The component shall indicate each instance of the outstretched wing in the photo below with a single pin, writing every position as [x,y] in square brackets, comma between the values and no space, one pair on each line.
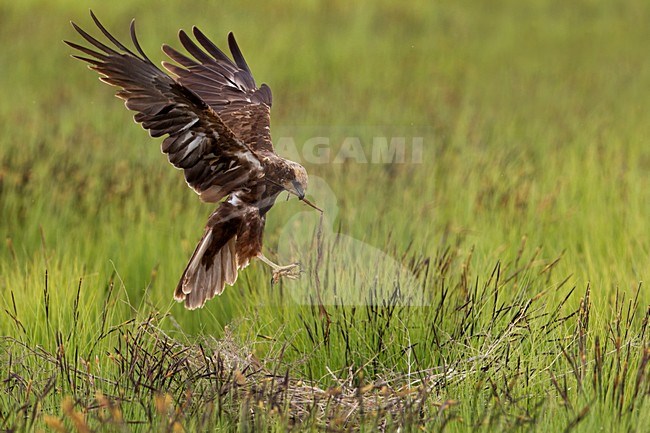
[214,160]
[226,86]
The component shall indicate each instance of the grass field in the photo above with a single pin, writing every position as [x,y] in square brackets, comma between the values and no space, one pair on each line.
[522,227]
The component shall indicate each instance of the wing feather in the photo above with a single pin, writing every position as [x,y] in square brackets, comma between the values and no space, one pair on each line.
[225,85]
[198,141]
[209,46]
[237,55]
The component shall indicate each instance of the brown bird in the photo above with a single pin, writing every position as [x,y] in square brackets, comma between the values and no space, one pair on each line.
[217,123]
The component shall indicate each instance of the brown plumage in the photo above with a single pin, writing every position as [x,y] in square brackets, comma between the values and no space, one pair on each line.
[217,123]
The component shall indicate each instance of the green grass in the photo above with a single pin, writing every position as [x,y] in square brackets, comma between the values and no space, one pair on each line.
[535,125]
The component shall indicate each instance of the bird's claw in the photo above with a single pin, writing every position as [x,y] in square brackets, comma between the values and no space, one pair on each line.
[291,271]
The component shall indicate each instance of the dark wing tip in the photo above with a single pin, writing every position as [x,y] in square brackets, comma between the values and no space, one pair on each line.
[75,26]
[237,54]
[166,48]
[209,46]
[265,95]
[136,43]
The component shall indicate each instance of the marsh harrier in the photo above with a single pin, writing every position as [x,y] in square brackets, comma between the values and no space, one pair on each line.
[217,126]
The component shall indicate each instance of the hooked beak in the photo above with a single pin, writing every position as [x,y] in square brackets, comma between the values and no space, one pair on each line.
[298,190]
[301,195]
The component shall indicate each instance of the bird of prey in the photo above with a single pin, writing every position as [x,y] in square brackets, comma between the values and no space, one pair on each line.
[217,126]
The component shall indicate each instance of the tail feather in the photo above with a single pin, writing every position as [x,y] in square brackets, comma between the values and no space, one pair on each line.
[207,272]
[229,263]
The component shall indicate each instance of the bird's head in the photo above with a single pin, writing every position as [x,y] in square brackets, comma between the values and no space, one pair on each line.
[296,181]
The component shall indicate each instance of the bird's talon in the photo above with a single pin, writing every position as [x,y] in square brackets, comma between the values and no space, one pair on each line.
[291,271]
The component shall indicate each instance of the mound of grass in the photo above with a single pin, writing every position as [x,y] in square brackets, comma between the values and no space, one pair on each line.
[488,353]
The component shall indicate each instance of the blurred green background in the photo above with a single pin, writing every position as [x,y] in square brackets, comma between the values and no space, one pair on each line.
[534,117]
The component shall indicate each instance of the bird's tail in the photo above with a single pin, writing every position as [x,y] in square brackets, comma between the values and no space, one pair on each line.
[212,266]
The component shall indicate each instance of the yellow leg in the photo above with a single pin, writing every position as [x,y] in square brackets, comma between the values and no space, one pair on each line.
[291,271]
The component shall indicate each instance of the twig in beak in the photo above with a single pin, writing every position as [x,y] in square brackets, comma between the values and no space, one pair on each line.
[312,205]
